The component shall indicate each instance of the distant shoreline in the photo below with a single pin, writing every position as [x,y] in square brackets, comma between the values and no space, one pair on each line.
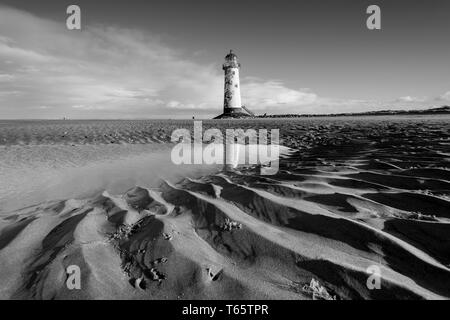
[432,111]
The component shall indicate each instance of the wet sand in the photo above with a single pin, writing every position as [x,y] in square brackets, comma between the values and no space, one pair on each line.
[354,193]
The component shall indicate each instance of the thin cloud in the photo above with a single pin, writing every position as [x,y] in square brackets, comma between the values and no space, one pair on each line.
[411,99]
[445,96]
[261,95]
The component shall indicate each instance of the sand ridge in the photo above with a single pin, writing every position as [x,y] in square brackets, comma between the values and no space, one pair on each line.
[354,194]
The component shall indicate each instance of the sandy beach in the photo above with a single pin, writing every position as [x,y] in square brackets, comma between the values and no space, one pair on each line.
[355,192]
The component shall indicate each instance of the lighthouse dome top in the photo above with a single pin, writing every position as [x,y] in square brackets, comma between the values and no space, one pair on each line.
[231,61]
[231,56]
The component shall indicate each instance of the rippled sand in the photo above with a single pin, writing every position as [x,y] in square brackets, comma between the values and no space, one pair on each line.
[354,193]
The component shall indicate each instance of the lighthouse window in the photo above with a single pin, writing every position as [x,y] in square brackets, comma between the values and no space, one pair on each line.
[235,85]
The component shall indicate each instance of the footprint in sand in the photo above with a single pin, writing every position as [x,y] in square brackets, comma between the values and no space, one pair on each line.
[214,276]
[167,236]
[156,275]
[160,260]
[138,283]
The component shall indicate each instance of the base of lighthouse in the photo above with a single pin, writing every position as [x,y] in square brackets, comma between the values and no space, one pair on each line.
[234,113]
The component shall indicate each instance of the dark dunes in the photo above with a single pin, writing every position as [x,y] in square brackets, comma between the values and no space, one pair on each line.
[115,214]
[252,203]
[204,214]
[342,230]
[352,285]
[140,249]
[398,258]
[375,164]
[243,246]
[280,190]
[206,189]
[140,199]
[406,163]
[9,233]
[289,176]
[430,237]
[413,202]
[356,184]
[52,245]
[402,182]
[424,274]
[335,200]
[428,173]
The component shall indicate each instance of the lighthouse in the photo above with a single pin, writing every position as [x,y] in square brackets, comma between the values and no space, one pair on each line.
[232,106]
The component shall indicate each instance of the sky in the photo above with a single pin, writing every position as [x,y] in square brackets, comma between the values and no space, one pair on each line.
[163,58]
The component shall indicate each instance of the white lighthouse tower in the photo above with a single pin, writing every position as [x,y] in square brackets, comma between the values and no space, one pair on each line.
[232,106]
